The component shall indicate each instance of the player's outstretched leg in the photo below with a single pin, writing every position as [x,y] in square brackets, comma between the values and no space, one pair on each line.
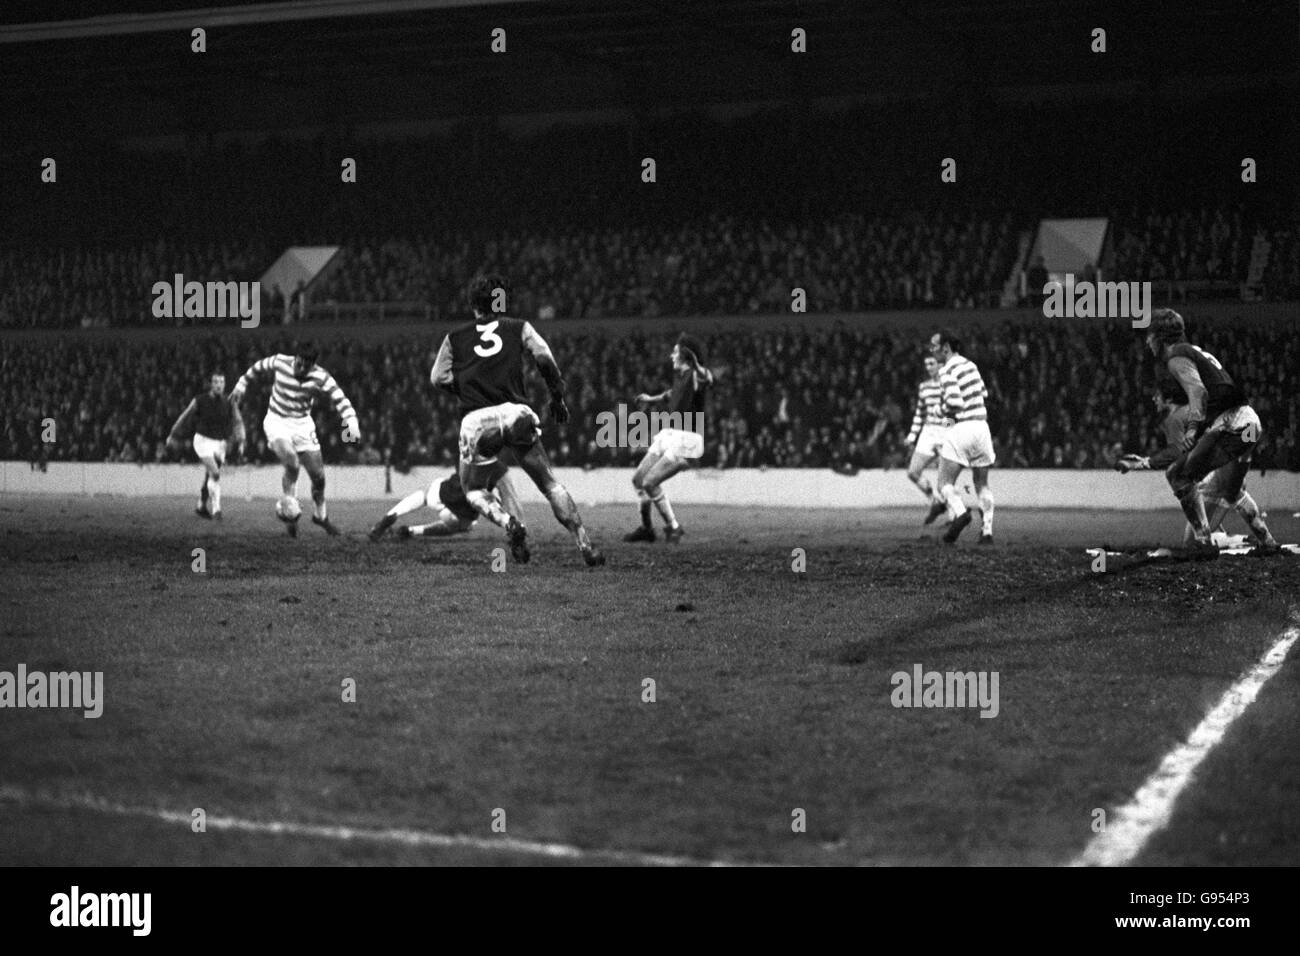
[289,480]
[315,466]
[959,517]
[485,504]
[538,467]
[412,502]
[916,474]
[446,524]
[1250,513]
[1229,483]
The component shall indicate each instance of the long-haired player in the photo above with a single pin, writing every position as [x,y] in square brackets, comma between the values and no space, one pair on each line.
[672,449]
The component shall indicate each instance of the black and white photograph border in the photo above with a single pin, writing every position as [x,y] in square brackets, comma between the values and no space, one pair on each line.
[770,433]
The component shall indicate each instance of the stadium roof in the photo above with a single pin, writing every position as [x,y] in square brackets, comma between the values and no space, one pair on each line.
[346,62]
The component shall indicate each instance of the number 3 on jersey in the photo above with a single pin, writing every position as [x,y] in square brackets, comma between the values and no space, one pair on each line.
[490,341]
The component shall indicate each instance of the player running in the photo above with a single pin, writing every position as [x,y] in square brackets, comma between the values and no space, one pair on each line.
[482,364]
[1220,432]
[215,420]
[1171,405]
[929,426]
[672,448]
[446,496]
[297,381]
[968,444]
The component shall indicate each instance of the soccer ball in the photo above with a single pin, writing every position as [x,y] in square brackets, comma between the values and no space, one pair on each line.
[287,508]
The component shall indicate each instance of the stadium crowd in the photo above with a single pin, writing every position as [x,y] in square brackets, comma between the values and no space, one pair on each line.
[741,212]
[845,202]
[1062,395]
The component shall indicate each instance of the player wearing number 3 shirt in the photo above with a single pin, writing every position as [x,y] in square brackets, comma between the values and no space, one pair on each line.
[482,364]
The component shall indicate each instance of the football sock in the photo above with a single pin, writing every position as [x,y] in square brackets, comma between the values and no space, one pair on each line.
[1217,509]
[665,509]
[318,497]
[566,512]
[645,507]
[1193,506]
[1249,511]
[214,493]
[986,506]
[434,530]
[203,492]
[412,502]
[956,507]
[488,507]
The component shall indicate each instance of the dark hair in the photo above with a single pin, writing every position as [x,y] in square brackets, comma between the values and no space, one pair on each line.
[1168,326]
[946,337]
[691,342]
[483,287]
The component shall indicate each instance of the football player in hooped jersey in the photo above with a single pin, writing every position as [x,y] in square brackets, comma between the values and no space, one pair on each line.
[482,364]
[216,420]
[968,443]
[296,381]
[929,426]
[1220,433]
[672,448]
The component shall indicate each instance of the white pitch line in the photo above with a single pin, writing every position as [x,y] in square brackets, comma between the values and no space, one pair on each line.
[409,838]
[1130,827]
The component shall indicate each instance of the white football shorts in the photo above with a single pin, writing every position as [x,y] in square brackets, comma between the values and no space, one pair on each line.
[676,443]
[930,443]
[1236,420]
[214,448]
[970,444]
[299,432]
[495,419]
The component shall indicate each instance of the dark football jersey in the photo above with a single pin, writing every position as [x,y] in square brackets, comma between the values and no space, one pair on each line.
[212,416]
[687,395]
[1222,393]
[487,361]
[452,494]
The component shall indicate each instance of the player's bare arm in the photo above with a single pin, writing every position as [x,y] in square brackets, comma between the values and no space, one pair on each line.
[262,368]
[1184,370]
[182,423]
[550,371]
[441,374]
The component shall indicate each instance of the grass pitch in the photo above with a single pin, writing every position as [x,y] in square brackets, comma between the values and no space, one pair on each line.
[523,690]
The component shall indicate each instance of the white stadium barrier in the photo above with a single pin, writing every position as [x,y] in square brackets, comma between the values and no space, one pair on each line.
[776,487]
